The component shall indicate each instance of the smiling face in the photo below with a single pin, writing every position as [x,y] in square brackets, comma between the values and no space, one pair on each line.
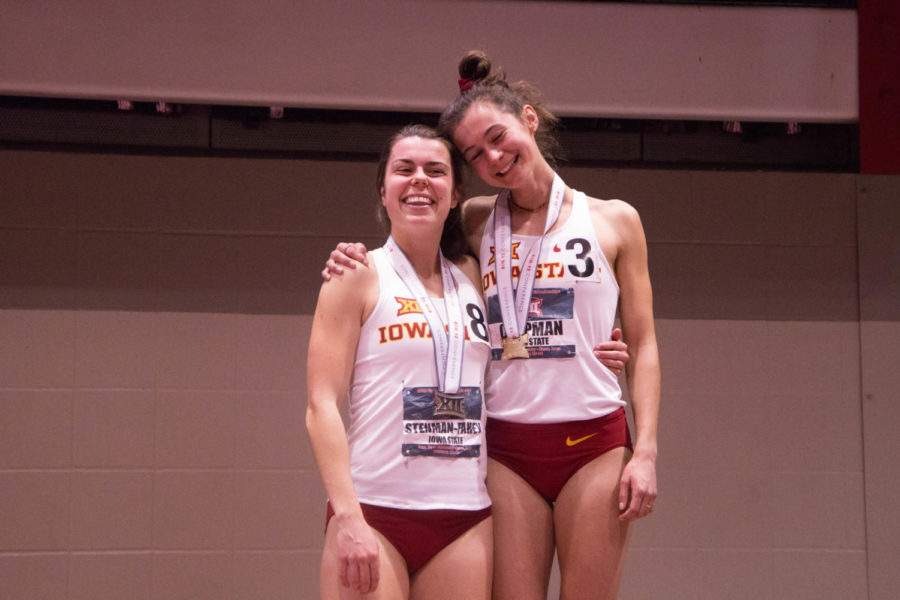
[499,145]
[418,183]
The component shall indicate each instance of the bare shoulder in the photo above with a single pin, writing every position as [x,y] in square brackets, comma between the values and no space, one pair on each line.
[361,273]
[615,214]
[353,288]
[614,210]
[475,211]
[468,265]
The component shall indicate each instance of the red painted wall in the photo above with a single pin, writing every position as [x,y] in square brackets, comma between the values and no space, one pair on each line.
[879,86]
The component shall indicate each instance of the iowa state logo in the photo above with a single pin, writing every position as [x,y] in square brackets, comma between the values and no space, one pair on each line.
[407,306]
[514,248]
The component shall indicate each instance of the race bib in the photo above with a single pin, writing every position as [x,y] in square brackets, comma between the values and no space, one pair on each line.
[550,326]
[440,424]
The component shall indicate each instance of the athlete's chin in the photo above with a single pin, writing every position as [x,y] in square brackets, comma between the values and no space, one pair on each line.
[508,180]
[420,223]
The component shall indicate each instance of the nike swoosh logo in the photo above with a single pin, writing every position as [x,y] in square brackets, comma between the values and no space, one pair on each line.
[571,442]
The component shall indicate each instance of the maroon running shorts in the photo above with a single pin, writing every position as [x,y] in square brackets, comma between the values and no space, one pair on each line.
[419,534]
[546,455]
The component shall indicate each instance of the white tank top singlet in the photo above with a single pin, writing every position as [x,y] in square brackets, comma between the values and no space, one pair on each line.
[573,307]
[408,450]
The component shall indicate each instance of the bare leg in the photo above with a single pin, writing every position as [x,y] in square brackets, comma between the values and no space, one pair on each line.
[523,536]
[393,583]
[590,538]
[461,570]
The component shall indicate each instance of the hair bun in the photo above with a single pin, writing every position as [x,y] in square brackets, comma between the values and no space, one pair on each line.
[475,65]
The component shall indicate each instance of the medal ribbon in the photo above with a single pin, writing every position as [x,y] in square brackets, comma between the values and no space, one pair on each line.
[448,343]
[514,304]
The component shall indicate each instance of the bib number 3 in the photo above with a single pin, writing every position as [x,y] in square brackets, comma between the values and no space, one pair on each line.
[584,265]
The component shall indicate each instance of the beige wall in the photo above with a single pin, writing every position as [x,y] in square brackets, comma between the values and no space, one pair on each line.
[154,316]
[879,270]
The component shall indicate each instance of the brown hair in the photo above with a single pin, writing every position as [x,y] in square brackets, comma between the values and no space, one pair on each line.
[490,85]
[453,240]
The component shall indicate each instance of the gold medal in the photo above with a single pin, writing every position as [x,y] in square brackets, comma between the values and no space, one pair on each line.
[515,347]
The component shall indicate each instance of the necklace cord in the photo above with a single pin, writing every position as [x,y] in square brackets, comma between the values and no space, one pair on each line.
[520,207]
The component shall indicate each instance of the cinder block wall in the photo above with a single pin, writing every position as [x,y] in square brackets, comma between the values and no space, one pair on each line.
[154,317]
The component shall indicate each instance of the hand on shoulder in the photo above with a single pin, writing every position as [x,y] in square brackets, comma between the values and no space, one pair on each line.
[344,255]
[351,291]
[359,273]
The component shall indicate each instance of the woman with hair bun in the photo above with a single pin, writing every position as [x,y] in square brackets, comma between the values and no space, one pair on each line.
[564,471]
[556,267]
